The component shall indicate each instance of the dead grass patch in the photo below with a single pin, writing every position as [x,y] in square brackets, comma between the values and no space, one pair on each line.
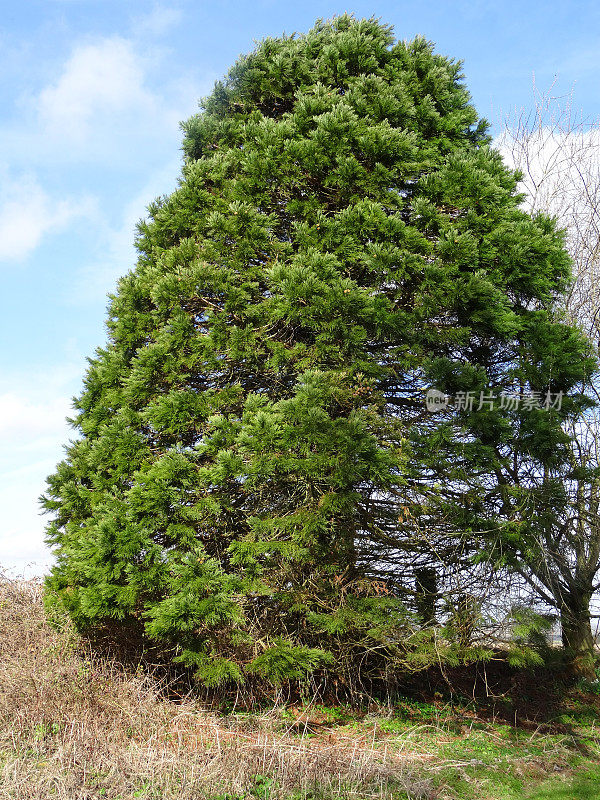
[76,727]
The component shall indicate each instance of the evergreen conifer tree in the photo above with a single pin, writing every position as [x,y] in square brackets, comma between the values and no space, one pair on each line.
[254,449]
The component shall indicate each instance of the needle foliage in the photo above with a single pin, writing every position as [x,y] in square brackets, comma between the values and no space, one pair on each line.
[253,446]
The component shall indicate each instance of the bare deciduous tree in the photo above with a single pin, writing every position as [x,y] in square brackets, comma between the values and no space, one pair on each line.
[558,154]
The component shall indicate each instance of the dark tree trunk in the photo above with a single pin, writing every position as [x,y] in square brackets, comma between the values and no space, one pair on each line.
[577,638]
[426,594]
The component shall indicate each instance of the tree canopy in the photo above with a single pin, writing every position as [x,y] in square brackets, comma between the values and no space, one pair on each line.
[256,474]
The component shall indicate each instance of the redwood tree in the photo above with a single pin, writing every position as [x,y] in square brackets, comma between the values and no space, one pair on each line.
[253,445]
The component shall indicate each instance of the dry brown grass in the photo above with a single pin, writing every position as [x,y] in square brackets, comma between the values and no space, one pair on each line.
[74,726]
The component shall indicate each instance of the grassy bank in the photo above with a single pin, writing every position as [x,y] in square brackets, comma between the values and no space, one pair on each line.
[78,727]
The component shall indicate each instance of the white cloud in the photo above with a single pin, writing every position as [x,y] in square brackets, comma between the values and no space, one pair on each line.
[23,420]
[107,102]
[99,110]
[33,429]
[113,102]
[157,22]
[27,213]
[102,79]
[118,253]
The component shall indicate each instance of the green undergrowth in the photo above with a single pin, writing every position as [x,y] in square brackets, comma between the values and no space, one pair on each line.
[462,755]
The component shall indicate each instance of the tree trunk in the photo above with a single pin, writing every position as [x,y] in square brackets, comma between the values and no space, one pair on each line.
[577,639]
[426,594]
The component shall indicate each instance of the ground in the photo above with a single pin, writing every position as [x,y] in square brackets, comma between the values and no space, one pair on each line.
[77,726]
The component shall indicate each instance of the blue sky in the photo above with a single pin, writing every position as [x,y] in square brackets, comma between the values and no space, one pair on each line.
[91,94]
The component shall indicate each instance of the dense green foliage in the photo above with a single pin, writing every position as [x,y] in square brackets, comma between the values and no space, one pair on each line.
[256,476]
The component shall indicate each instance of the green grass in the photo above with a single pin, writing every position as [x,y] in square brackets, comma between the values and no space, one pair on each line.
[470,758]
[584,785]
